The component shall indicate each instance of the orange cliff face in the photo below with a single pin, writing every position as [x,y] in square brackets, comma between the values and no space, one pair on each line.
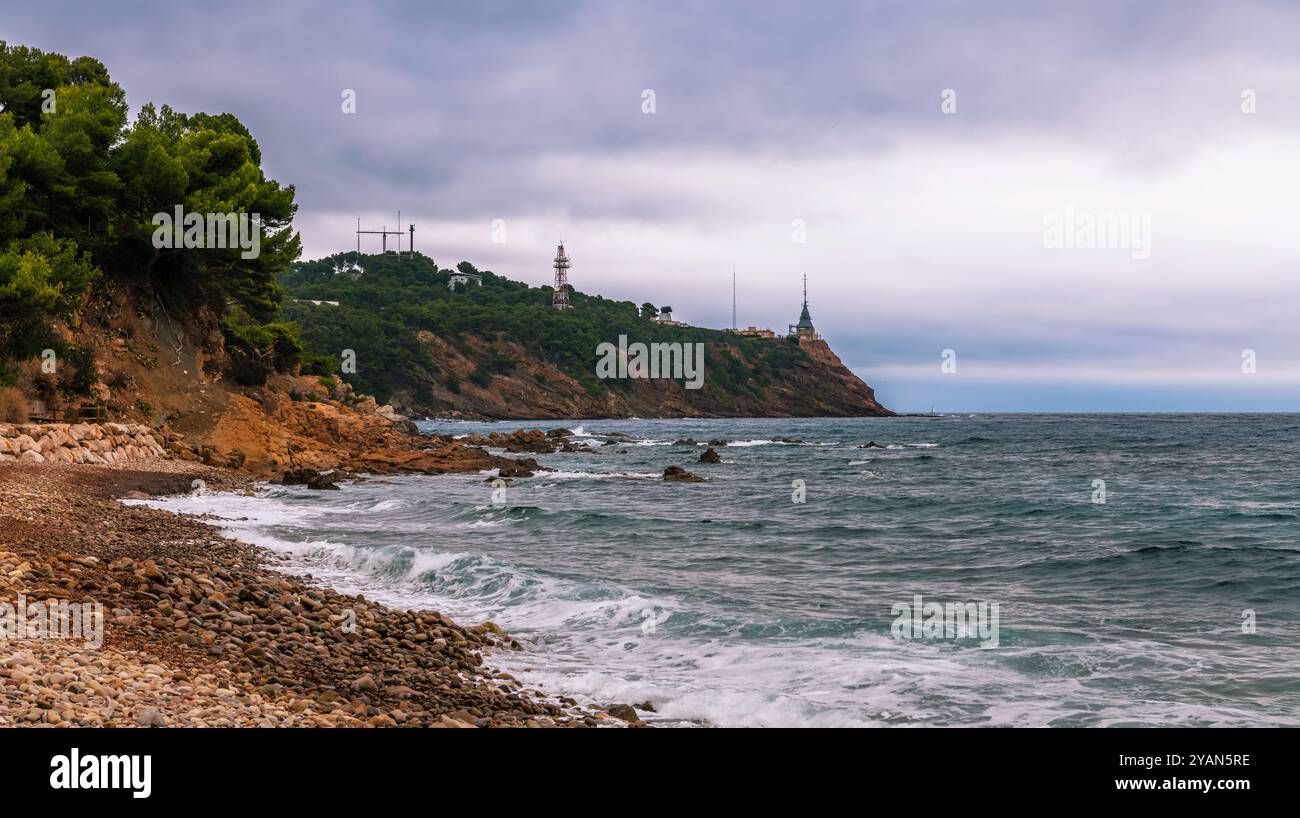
[266,432]
[834,369]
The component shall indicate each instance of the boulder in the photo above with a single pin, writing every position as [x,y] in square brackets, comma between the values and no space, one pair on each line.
[626,712]
[710,456]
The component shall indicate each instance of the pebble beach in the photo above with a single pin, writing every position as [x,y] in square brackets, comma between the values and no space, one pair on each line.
[204,631]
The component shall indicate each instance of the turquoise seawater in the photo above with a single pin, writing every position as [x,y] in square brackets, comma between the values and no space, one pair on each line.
[741,601]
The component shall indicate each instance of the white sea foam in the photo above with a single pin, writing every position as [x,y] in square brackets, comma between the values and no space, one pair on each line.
[590,638]
[588,475]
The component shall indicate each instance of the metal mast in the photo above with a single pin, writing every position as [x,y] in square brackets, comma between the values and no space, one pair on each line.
[560,300]
[733,296]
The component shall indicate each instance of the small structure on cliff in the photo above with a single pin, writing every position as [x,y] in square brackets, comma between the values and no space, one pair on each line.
[665,316]
[804,330]
[464,279]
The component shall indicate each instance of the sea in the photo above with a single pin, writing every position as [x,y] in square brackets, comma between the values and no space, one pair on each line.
[1115,570]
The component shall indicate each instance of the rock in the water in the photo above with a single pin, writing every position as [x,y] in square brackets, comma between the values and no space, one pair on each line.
[686,441]
[626,712]
[311,478]
[676,474]
[871,444]
[515,471]
[710,456]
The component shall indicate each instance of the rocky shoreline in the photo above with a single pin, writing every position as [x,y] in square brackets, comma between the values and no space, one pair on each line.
[201,630]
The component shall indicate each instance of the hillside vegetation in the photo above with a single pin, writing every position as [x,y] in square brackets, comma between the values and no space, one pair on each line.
[79,270]
[501,350]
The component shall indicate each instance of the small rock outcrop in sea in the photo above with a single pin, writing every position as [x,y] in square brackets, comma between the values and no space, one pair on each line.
[710,456]
[533,441]
[560,433]
[686,441]
[871,444]
[521,469]
[312,479]
[676,474]
[719,442]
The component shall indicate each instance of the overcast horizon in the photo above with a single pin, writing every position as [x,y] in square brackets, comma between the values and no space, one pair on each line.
[910,159]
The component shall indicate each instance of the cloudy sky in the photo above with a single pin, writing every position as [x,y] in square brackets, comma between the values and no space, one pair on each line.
[919,161]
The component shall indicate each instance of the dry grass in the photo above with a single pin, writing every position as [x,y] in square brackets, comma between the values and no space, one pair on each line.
[13,406]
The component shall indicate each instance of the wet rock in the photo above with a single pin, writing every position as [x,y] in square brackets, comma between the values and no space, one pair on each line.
[676,474]
[312,479]
[626,712]
[710,456]
[686,441]
[871,444]
[511,471]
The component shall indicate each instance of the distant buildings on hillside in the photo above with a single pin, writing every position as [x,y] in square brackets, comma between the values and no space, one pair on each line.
[802,330]
[457,277]
[665,316]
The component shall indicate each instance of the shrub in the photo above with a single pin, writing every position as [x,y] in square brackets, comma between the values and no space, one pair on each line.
[13,406]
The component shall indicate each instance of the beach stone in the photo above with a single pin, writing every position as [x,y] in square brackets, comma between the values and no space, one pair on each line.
[365,684]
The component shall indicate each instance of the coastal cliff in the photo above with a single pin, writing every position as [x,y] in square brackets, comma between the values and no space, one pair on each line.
[421,338]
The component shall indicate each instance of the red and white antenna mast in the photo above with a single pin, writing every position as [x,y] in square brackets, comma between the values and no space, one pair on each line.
[560,300]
